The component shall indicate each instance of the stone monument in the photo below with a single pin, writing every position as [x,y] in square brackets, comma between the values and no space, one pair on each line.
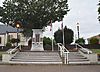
[37,40]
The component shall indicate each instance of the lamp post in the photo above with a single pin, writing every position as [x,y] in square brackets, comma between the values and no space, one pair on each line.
[78,30]
[17,26]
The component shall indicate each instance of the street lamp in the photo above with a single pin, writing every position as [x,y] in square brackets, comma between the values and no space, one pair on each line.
[78,30]
[17,26]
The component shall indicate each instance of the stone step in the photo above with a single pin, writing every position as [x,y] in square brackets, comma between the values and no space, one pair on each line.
[43,57]
[36,60]
[37,57]
[16,62]
[77,58]
[37,54]
[80,62]
[73,57]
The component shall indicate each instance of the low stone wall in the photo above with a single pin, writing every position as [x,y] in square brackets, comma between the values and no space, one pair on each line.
[89,46]
[92,57]
[7,57]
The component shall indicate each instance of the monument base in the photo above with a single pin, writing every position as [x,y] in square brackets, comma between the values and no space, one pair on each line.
[37,47]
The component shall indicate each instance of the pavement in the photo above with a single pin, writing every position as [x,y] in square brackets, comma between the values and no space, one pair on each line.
[49,68]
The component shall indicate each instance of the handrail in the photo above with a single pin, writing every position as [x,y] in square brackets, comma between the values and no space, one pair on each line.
[83,49]
[63,52]
[11,51]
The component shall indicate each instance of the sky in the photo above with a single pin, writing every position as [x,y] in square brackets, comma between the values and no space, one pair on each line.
[83,12]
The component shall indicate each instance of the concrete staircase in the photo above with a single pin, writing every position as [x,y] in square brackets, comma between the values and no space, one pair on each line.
[36,58]
[77,58]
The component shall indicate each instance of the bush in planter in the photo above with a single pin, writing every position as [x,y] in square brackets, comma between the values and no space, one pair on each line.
[8,44]
[13,40]
[80,41]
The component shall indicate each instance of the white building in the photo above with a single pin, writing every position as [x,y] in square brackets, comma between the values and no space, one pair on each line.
[8,32]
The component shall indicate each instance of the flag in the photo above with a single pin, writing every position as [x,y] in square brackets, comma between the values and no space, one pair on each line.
[50,25]
[62,25]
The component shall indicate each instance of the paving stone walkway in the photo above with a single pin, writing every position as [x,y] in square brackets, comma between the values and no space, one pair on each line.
[49,68]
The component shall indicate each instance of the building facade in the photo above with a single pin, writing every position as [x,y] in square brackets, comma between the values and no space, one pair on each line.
[8,32]
[97,36]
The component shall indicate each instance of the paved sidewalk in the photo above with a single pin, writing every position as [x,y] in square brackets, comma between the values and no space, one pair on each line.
[49,68]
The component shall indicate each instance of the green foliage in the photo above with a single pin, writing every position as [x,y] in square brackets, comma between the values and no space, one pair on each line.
[96,51]
[32,13]
[94,41]
[68,36]
[8,44]
[80,41]
[47,41]
[27,32]
[13,40]
[58,36]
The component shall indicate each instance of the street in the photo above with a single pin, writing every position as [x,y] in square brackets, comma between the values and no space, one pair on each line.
[49,68]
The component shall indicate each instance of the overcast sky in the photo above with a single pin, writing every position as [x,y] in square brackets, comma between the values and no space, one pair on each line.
[82,11]
[85,13]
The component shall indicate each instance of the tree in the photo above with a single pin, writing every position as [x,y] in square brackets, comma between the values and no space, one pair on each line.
[32,13]
[27,32]
[58,36]
[68,36]
[80,41]
[94,40]
[47,41]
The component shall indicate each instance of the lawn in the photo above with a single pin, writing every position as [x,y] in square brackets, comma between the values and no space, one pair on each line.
[1,52]
[96,51]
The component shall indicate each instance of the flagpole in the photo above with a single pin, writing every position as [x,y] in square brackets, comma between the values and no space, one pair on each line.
[51,29]
[52,39]
[63,34]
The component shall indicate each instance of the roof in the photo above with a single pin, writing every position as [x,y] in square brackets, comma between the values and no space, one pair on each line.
[5,29]
[96,36]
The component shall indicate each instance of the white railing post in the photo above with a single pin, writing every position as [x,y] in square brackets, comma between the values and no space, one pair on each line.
[61,51]
[64,53]
[58,48]
[65,58]
[85,49]
[20,47]
[76,46]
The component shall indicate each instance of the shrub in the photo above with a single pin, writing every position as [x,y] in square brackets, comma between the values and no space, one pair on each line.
[8,44]
[13,40]
[94,41]
[80,41]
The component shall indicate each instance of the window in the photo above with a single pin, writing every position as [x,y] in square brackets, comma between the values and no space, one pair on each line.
[37,37]
[0,40]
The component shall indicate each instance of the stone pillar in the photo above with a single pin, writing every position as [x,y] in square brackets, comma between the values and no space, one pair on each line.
[37,40]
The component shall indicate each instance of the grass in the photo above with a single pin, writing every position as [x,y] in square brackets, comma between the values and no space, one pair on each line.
[1,52]
[96,51]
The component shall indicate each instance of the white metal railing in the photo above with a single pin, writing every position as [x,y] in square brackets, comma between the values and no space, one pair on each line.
[63,52]
[83,49]
[14,50]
